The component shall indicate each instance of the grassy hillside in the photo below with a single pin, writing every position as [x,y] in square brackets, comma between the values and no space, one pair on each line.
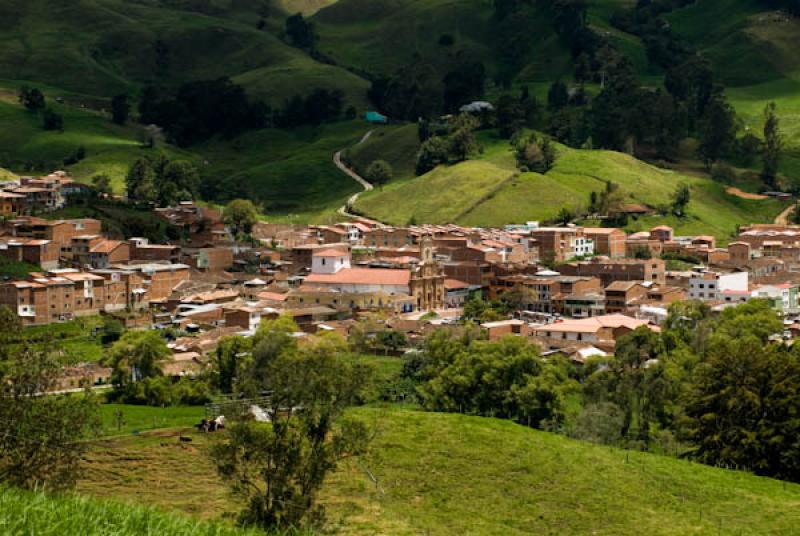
[443,474]
[381,37]
[395,144]
[105,47]
[26,148]
[44,515]
[487,192]
[290,172]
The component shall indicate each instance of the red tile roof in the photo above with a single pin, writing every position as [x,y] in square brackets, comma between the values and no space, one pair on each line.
[363,276]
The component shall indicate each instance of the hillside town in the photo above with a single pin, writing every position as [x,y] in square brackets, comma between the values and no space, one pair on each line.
[570,289]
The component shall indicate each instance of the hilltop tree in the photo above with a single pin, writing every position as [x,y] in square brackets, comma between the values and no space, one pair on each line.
[301,33]
[462,137]
[772,147]
[140,182]
[120,109]
[241,215]
[534,153]
[379,172]
[433,152]
[31,98]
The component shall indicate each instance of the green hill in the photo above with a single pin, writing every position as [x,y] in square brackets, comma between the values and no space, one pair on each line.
[44,515]
[106,47]
[395,144]
[442,474]
[382,36]
[26,148]
[489,192]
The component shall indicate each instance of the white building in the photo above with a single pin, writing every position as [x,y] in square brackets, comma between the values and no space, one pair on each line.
[712,286]
[329,261]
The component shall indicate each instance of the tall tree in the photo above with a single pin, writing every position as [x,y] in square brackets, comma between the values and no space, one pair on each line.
[742,410]
[120,109]
[772,147]
[41,437]
[278,469]
[716,131]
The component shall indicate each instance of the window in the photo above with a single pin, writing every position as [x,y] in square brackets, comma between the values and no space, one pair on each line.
[323,261]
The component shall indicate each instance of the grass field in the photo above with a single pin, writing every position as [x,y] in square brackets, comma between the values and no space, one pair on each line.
[46,515]
[76,338]
[488,192]
[136,419]
[451,474]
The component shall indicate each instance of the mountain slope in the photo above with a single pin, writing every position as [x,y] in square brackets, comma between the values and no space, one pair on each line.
[105,47]
[452,474]
[488,192]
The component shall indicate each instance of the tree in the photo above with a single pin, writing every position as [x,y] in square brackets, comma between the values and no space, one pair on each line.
[773,145]
[463,84]
[557,95]
[184,181]
[379,172]
[278,469]
[462,137]
[742,409]
[42,441]
[102,185]
[140,182]
[230,360]
[433,152]
[136,356]
[241,215]
[510,116]
[31,98]
[715,131]
[52,120]
[300,32]
[534,153]
[680,199]
[120,109]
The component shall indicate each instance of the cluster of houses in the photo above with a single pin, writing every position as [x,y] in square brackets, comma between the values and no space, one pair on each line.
[31,195]
[572,289]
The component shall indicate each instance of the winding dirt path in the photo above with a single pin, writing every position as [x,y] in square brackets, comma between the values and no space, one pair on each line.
[783,217]
[337,161]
